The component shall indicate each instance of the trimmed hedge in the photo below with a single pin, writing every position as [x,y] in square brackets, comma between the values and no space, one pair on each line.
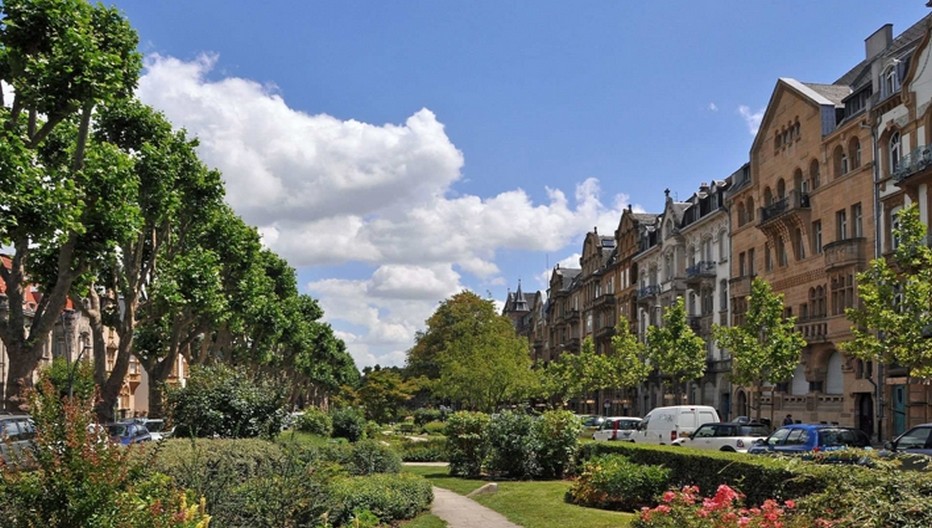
[758,477]
[432,450]
[390,497]
[363,458]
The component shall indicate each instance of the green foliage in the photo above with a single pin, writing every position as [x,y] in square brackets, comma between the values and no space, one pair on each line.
[674,348]
[78,478]
[467,445]
[893,321]
[474,354]
[512,446]
[314,421]
[556,435]
[433,449]
[724,509]
[363,458]
[426,414]
[222,401]
[348,422]
[390,497]
[766,346]
[613,482]
[434,428]
[382,393]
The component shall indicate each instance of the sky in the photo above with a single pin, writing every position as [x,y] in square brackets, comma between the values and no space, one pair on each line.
[396,153]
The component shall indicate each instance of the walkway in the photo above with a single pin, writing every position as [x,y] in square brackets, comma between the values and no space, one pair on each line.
[462,512]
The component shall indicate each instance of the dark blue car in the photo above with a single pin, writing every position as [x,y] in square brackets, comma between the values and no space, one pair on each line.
[127,433]
[804,438]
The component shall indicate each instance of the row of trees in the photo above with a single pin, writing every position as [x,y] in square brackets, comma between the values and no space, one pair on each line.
[470,355]
[105,204]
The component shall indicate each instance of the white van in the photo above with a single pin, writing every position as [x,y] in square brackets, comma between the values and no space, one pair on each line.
[663,425]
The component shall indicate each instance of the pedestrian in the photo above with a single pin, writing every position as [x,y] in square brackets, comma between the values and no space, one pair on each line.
[788,420]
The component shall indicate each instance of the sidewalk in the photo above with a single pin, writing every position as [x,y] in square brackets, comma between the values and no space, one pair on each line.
[461,512]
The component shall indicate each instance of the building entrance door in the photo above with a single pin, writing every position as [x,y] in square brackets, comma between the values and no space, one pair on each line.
[866,414]
[899,410]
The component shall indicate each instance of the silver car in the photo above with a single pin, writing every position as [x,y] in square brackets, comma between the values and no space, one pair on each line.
[916,440]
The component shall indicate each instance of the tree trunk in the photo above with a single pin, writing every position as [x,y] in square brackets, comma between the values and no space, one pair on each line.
[158,371]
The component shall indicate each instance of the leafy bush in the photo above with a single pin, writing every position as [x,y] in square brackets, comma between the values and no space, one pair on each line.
[722,510]
[466,442]
[615,483]
[512,446]
[759,478]
[364,457]
[557,439]
[433,428]
[314,421]
[76,478]
[222,401]
[434,449]
[425,415]
[348,422]
[372,430]
[390,497]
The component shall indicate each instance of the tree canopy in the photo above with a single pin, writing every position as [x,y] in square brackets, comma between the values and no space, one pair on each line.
[674,348]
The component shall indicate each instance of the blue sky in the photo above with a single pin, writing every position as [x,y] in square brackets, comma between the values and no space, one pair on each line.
[398,152]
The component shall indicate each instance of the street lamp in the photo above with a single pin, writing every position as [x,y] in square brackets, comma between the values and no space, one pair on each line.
[71,371]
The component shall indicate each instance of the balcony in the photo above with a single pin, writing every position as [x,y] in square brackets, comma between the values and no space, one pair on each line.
[842,253]
[606,299]
[699,272]
[604,331]
[648,292]
[714,366]
[701,324]
[916,161]
[571,315]
[796,201]
[740,286]
[814,329]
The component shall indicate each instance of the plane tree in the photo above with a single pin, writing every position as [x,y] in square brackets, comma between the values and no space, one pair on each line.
[675,349]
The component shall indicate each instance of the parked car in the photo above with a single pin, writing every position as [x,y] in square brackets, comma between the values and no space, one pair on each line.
[802,438]
[156,427]
[917,440]
[663,425]
[127,433]
[724,436]
[617,428]
[17,434]
[592,420]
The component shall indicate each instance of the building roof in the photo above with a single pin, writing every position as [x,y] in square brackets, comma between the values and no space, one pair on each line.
[860,74]
[834,93]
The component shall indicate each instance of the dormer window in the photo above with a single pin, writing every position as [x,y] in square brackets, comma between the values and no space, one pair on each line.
[894,152]
[890,82]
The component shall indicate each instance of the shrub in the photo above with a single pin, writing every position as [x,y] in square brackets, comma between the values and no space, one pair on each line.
[364,457]
[615,483]
[466,442]
[74,476]
[425,415]
[348,422]
[723,510]
[222,401]
[372,430]
[390,497]
[557,439]
[314,421]
[512,446]
[434,449]
[434,428]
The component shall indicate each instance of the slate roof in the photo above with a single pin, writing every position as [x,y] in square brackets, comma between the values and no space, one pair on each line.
[833,92]
[860,74]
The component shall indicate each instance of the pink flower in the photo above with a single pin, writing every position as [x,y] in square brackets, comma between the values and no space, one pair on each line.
[744,521]
[663,508]
[790,504]
[668,496]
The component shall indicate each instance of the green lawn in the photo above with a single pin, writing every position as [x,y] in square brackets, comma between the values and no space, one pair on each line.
[424,520]
[531,504]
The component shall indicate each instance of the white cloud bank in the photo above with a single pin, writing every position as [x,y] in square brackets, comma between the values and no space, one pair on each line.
[752,119]
[326,192]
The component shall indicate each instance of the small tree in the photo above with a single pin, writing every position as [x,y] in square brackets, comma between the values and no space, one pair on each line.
[627,365]
[766,346]
[675,349]
[894,320]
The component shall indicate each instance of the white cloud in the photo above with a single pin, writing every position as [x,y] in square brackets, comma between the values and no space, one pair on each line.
[326,192]
[713,107]
[752,119]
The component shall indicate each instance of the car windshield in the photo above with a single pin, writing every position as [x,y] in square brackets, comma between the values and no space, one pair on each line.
[628,424]
[116,429]
[155,426]
[753,430]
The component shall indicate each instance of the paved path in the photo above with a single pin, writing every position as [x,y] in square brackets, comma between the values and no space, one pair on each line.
[462,512]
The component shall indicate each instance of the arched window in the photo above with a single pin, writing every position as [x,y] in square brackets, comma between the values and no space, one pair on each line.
[800,385]
[722,246]
[814,174]
[750,209]
[834,381]
[838,161]
[742,216]
[768,196]
[890,81]
[894,151]
[854,153]
[781,189]
[799,184]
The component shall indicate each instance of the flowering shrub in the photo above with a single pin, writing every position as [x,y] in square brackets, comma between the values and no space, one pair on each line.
[687,509]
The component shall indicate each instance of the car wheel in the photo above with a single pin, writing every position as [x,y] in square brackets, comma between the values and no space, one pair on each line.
[728,450]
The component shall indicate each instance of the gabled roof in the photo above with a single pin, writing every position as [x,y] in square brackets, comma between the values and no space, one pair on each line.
[833,93]
[860,74]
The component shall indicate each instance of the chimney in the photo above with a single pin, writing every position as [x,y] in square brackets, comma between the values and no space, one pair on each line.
[878,41]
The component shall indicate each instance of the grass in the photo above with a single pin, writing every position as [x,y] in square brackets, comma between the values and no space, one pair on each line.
[533,504]
[424,520]
[306,439]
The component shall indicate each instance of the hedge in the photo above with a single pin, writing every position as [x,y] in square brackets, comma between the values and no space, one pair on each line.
[390,497]
[613,482]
